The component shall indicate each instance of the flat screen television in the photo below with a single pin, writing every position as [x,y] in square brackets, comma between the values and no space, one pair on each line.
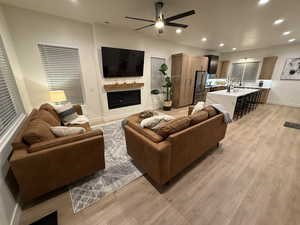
[122,62]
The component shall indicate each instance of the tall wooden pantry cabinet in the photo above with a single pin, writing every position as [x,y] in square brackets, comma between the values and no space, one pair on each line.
[183,74]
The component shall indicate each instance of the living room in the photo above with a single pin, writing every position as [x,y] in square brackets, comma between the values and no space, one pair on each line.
[31,31]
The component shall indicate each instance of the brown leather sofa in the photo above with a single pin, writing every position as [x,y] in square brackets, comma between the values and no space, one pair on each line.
[164,157]
[49,164]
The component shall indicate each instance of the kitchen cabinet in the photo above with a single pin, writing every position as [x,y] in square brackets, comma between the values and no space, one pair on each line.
[264,95]
[183,74]
[223,68]
[267,69]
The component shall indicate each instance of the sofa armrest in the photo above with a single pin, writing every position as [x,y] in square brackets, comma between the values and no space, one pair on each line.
[154,158]
[63,140]
[190,109]
[78,109]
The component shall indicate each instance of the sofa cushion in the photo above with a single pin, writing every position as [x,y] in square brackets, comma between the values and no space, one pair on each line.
[37,131]
[63,131]
[198,117]
[83,125]
[50,109]
[134,122]
[48,117]
[173,126]
[211,111]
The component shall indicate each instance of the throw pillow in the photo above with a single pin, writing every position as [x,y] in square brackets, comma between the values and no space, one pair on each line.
[198,117]
[48,117]
[37,131]
[155,120]
[198,107]
[61,131]
[211,111]
[173,126]
[66,113]
[146,114]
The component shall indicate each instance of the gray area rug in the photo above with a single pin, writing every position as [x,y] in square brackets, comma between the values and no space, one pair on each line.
[119,170]
[292,125]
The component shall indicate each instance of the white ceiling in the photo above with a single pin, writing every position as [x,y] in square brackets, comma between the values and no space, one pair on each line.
[237,23]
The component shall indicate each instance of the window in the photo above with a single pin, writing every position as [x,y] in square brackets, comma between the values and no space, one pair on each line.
[244,71]
[62,66]
[11,104]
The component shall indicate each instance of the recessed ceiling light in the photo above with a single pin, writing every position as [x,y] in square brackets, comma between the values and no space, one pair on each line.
[178,31]
[204,39]
[221,45]
[278,21]
[292,40]
[286,33]
[74,1]
[263,2]
[233,49]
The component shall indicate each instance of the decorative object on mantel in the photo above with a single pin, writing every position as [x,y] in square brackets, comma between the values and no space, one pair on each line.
[117,86]
[167,85]
[291,70]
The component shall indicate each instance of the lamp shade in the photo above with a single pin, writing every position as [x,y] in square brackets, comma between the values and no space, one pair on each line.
[57,96]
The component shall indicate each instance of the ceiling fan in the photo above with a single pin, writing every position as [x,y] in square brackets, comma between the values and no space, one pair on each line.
[160,21]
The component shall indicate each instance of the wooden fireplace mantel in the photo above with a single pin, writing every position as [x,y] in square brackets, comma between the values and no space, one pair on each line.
[117,86]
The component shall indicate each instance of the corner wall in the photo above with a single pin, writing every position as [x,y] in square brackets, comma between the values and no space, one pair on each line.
[283,92]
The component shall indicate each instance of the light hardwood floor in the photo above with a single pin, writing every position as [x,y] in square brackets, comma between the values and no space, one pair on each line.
[252,179]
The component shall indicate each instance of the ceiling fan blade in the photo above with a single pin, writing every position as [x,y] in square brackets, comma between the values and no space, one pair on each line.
[140,28]
[179,16]
[134,18]
[177,25]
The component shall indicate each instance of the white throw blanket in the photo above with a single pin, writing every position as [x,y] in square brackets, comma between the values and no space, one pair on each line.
[221,109]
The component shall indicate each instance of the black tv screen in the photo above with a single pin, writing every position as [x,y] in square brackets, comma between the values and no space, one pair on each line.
[122,62]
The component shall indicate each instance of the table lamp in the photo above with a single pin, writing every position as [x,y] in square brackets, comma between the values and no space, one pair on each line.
[57,96]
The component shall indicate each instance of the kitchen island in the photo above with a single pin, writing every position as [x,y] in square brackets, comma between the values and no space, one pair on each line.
[228,99]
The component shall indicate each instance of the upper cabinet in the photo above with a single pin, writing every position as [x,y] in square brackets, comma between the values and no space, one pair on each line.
[223,69]
[213,61]
[268,68]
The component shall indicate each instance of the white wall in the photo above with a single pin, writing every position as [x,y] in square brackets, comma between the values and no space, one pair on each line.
[29,28]
[283,92]
[8,204]
[121,38]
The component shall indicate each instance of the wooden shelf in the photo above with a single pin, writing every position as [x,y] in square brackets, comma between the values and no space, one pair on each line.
[117,86]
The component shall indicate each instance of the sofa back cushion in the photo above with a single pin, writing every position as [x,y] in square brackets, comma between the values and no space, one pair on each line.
[48,118]
[211,111]
[134,122]
[198,117]
[50,109]
[37,131]
[173,126]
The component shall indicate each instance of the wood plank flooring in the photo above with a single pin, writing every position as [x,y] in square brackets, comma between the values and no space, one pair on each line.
[251,179]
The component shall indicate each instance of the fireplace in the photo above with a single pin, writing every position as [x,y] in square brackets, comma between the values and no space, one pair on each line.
[118,99]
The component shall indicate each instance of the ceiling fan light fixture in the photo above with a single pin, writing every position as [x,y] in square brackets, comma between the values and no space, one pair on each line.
[159,24]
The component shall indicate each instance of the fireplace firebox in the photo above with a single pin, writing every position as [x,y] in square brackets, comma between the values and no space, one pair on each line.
[118,99]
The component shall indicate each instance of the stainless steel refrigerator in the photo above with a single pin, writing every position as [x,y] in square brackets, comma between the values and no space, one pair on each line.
[199,89]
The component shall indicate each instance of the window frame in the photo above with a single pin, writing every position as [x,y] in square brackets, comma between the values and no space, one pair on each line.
[82,82]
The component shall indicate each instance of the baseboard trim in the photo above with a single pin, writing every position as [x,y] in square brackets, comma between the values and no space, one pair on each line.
[15,219]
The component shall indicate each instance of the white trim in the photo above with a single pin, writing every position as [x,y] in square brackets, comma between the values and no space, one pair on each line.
[6,138]
[15,218]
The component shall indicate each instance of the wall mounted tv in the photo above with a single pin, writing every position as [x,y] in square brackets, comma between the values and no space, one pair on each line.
[122,62]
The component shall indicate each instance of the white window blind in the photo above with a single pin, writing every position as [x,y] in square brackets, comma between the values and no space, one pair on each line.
[62,66]
[11,105]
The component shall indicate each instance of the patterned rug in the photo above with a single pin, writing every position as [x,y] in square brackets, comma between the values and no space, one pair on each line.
[119,170]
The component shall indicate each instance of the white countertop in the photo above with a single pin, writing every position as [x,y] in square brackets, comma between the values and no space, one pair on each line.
[235,93]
